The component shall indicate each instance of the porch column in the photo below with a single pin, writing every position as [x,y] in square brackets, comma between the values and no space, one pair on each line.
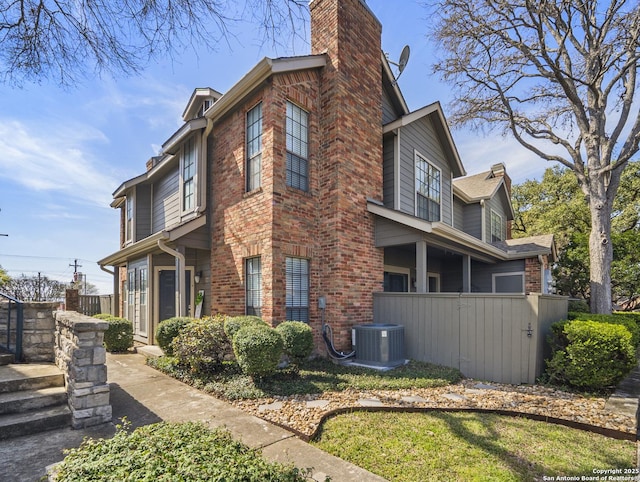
[422,282]
[466,273]
[115,303]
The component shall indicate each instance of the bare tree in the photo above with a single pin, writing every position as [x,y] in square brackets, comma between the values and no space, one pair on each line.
[35,288]
[64,40]
[561,77]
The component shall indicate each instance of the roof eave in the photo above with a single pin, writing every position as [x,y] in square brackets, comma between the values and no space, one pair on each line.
[261,72]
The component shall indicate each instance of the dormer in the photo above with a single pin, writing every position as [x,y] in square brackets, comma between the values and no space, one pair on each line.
[201,99]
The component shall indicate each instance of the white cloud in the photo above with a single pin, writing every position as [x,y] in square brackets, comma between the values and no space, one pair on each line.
[54,157]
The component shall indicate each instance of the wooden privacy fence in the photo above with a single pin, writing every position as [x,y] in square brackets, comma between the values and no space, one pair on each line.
[499,338]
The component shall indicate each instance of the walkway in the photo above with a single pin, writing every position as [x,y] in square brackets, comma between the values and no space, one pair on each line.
[145,396]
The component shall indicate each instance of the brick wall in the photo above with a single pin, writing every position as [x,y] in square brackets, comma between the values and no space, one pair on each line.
[350,160]
[329,224]
[532,275]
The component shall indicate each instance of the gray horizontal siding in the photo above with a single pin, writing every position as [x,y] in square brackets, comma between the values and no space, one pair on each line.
[143,211]
[166,202]
[388,149]
[421,136]
[458,214]
[481,273]
[472,216]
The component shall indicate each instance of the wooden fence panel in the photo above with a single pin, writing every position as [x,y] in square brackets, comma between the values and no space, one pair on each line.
[499,338]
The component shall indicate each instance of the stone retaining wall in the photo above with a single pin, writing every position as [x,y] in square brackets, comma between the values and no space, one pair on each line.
[80,354]
[38,330]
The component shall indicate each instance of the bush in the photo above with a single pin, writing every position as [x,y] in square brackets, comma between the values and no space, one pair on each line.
[119,334]
[258,350]
[624,319]
[168,329]
[171,451]
[598,355]
[233,323]
[297,338]
[202,345]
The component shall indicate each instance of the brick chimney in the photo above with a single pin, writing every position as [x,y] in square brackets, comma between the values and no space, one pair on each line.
[349,160]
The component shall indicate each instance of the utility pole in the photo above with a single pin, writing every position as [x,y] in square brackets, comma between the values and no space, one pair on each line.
[75,268]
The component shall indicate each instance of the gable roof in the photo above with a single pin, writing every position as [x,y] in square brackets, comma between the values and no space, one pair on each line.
[261,72]
[434,111]
[480,187]
[542,244]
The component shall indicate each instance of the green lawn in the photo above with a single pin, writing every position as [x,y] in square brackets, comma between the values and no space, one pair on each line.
[467,447]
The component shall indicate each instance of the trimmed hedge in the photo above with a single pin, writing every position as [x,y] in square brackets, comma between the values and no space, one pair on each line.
[119,335]
[202,344]
[233,324]
[625,319]
[258,350]
[168,329]
[597,355]
[297,338]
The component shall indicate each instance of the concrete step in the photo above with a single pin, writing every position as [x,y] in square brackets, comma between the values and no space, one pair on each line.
[25,400]
[18,424]
[6,358]
[17,377]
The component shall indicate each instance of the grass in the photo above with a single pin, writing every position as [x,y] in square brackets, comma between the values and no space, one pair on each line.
[314,377]
[469,447]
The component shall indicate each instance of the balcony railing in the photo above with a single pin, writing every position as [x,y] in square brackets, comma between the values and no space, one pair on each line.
[11,325]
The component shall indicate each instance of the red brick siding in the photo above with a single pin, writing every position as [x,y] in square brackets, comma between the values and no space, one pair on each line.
[350,160]
[532,275]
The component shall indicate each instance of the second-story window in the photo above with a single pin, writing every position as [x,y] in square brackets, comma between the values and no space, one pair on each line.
[254,148]
[428,189]
[128,226]
[297,147]
[188,175]
[498,228]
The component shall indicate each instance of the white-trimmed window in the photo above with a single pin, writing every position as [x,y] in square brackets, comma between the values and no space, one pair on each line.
[396,279]
[254,148]
[428,189]
[498,227]
[143,279]
[297,147]
[131,294]
[508,282]
[189,163]
[128,224]
[297,289]
[253,286]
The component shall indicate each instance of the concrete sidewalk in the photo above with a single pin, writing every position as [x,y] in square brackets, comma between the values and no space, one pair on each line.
[145,396]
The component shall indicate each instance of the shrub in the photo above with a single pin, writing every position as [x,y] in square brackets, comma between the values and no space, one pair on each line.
[233,323]
[624,319]
[119,334]
[171,451]
[168,329]
[598,355]
[202,345]
[258,350]
[297,338]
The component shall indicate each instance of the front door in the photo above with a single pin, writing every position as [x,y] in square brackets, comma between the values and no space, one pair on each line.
[167,293]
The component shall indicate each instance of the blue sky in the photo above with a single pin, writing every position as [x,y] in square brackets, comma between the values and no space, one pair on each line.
[64,151]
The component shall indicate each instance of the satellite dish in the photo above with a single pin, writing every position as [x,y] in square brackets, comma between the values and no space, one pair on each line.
[402,62]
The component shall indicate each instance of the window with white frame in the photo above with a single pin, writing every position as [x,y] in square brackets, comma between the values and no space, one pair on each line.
[128,225]
[428,189]
[297,298]
[508,282]
[297,147]
[143,281]
[498,227]
[253,286]
[189,153]
[254,148]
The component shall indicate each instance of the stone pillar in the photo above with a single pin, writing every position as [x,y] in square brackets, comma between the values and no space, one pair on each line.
[38,332]
[81,355]
[72,300]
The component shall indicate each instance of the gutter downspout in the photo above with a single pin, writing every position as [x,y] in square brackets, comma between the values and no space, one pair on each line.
[181,285]
[202,169]
[115,306]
